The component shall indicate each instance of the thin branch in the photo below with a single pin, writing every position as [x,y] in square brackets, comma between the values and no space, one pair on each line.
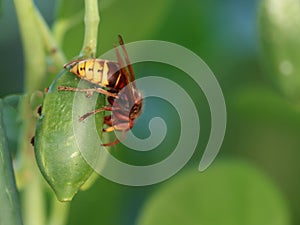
[59,212]
[33,200]
[91,20]
[50,43]
[63,25]
[33,47]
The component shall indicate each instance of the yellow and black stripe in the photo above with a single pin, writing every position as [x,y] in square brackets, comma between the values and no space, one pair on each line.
[101,72]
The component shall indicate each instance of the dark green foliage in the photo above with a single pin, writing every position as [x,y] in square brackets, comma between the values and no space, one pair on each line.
[229,193]
[9,207]
[11,120]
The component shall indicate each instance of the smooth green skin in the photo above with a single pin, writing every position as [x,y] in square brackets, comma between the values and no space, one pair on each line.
[227,193]
[280,31]
[10,207]
[55,144]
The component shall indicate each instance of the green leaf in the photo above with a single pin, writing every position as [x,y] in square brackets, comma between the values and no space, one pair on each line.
[11,120]
[280,31]
[9,202]
[228,193]
[266,127]
[59,136]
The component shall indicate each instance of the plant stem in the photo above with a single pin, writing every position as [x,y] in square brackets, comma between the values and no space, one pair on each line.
[35,71]
[91,21]
[51,45]
[33,201]
[33,47]
[59,212]
[62,26]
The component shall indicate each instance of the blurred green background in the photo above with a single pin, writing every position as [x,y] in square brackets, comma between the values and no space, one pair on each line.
[254,179]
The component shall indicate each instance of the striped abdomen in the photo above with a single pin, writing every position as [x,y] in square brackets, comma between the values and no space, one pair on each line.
[101,72]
